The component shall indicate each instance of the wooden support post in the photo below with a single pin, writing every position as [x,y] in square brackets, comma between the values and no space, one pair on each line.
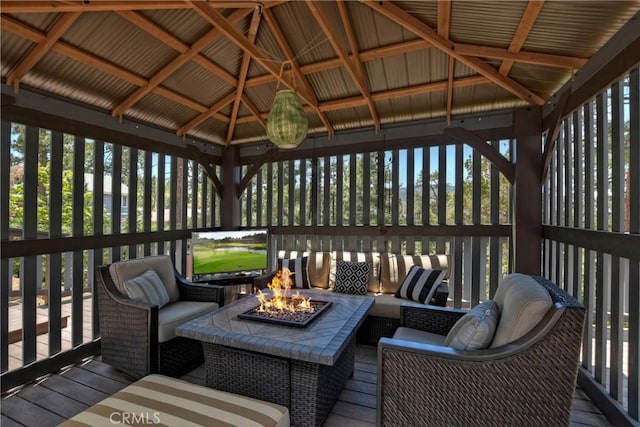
[527,217]
[230,197]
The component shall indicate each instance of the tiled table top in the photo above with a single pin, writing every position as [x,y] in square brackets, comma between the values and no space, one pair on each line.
[321,342]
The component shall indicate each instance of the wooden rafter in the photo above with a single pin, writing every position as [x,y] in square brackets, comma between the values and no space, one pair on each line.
[288,53]
[522,32]
[36,54]
[358,101]
[244,68]
[175,64]
[413,24]
[359,76]
[549,60]
[444,27]
[170,40]
[79,55]
[224,25]
[204,116]
[108,6]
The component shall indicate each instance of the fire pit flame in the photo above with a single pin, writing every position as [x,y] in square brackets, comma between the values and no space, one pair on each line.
[280,286]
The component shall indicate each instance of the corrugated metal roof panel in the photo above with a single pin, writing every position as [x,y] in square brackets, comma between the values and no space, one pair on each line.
[554,33]
[210,130]
[115,39]
[262,96]
[13,49]
[40,21]
[225,54]
[485,23]
[61,75]
[350,118]
[303,33]
[332,84]
[161,112]
[374,30]
[185,24]
[197,83]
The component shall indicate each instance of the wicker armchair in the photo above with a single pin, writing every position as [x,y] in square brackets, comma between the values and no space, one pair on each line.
[137,338]
[527,382]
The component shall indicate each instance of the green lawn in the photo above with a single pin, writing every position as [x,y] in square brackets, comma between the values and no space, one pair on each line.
[207,261]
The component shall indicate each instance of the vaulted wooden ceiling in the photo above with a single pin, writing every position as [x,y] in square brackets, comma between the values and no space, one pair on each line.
[209,70]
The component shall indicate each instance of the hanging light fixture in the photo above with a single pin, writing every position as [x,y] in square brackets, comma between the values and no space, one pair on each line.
[287,123]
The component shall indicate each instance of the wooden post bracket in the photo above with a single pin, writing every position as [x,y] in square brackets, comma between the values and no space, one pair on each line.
[487,150]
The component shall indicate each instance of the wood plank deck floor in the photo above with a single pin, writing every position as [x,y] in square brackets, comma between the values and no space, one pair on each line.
[64,394]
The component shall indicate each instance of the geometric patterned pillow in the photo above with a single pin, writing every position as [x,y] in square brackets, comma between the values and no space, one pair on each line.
[147,288]
[420,284]
[352,277]
[298,267]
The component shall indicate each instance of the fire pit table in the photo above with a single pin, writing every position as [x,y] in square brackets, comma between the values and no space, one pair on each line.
[303,369]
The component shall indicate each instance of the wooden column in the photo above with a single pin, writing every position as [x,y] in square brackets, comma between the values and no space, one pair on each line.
[230,199]
[527,216]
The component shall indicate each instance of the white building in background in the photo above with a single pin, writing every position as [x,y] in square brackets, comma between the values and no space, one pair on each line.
[108,194]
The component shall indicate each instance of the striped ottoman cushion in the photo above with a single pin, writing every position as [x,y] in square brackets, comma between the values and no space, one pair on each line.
[161,400]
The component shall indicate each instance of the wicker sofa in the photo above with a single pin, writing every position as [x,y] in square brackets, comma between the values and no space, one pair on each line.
[139,339]
[525,377]
[388,272]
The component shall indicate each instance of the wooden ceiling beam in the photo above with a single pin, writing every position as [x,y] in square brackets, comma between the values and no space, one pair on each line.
[358,101]
[444,27]
[204,116]
[358,75]
[444,18]
[558,61]
[22,6]
[288,53]
[544,59]
[81,56]
[355,60]
[413,24]
[223,25]
[170,40]
[522,32]
[242,78]
[178,62]
[41,49]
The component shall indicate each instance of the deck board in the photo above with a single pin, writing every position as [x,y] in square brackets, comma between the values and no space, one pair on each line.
[60,396]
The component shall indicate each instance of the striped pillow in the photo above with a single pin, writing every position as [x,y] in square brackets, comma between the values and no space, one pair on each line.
[420,284]
[298,267]
[147,288]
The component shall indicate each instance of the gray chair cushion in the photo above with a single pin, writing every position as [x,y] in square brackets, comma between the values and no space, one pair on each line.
[523,302]
[177,313]
[162,264]
[386,305]
[147,288]
[416,335]
[474,330]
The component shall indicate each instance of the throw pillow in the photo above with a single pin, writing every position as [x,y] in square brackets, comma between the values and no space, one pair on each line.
[475,330]
[147,288]
[298,266]
[352,277]
[420,284]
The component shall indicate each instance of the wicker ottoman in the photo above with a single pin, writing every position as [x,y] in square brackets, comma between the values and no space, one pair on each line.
[156,399]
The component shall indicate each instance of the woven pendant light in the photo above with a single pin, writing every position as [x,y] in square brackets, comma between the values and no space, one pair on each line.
[287,123]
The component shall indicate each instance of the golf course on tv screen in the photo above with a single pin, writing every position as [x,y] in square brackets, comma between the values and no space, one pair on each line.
[229,251]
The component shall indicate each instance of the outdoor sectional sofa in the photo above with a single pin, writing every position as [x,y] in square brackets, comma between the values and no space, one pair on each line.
[387,274]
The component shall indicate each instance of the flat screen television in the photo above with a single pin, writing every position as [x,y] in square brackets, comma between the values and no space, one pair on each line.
[228,251]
